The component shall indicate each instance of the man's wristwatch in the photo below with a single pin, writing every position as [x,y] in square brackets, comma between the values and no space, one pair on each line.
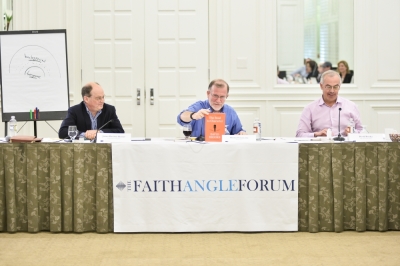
[191,115]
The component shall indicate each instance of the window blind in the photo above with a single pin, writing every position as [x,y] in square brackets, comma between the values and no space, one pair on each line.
[321,30]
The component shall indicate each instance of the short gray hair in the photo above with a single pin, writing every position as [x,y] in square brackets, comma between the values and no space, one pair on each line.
[219,83]
[330,73]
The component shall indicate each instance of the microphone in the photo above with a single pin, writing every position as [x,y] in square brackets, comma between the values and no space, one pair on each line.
[339,137]
[200,138]
[95,137]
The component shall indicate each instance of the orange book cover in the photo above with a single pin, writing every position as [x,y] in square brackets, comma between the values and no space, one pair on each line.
[214,127]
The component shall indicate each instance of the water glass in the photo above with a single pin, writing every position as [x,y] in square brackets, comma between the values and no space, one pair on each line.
[72,132]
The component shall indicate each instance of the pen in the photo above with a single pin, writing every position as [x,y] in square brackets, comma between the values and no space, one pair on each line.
[34,114]
[30,114]
[37,113]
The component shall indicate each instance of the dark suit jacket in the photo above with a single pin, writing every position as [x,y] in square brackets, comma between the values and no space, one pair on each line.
[78,116]
[347,78]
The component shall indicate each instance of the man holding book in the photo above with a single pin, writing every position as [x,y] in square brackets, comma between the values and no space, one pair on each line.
[217,94]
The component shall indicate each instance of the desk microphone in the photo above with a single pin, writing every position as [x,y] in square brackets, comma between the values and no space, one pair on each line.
[200,138]
[339,137]
[95,137]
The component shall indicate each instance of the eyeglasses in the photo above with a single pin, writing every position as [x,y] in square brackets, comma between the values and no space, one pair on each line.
[216,97]
[99,98]
[335,88]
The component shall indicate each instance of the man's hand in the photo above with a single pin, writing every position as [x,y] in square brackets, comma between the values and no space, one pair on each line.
[185,116]
[321,133]
[90,134]
[200,114]
[347,131]
[242,133]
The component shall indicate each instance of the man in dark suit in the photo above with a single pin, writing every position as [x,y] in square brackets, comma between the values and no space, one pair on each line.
[91,114]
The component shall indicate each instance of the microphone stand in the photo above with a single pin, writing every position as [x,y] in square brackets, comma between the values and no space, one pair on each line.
[339,137]
[95,137]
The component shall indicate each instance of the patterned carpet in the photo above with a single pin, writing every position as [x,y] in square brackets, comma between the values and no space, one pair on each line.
[350,248]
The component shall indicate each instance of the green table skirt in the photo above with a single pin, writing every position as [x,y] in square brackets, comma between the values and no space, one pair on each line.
[68,187]
[56,187]
[349,186]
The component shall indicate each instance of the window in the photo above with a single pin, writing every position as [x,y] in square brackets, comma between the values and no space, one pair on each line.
[321,30]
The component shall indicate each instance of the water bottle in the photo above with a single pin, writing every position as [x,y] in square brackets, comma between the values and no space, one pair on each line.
[351,125]
[257,128]
[364,130]
[12,131]
[329,134]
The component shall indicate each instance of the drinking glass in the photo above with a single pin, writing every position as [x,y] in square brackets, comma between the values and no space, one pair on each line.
[187,131]
[72,132]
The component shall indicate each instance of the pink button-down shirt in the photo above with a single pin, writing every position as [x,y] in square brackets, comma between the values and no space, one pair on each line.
[318,116]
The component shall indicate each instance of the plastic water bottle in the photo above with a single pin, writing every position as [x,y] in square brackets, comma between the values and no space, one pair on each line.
[12,130]
[329,134]
[351,125]
[257,128]
[364,130]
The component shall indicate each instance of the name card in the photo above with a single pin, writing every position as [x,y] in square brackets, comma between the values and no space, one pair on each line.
[366,137]
[113,137]
[238,138]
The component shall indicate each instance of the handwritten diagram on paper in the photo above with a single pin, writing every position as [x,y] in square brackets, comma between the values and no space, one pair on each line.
[34,71]
[34,62]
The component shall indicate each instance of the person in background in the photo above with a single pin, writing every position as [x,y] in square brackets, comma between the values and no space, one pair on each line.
[278,79]
[345,75]
[323,68]
[322,114]
[217,93]
[301,71]
[312,69]
[91,114]
[320,71]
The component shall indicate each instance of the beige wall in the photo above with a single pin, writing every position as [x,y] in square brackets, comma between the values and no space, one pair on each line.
[243,50]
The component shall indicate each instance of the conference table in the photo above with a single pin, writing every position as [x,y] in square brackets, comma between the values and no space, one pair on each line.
[67,187]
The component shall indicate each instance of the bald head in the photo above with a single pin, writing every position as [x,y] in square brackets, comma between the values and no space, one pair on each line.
[87,89]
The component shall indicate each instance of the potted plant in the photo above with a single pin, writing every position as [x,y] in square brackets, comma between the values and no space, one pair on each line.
[8,16]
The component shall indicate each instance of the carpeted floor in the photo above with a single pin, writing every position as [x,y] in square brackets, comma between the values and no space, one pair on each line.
[347,248]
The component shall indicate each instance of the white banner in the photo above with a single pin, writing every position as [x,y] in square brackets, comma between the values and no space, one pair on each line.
[181,187]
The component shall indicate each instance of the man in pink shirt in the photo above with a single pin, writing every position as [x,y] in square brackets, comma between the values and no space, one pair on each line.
[322,114]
